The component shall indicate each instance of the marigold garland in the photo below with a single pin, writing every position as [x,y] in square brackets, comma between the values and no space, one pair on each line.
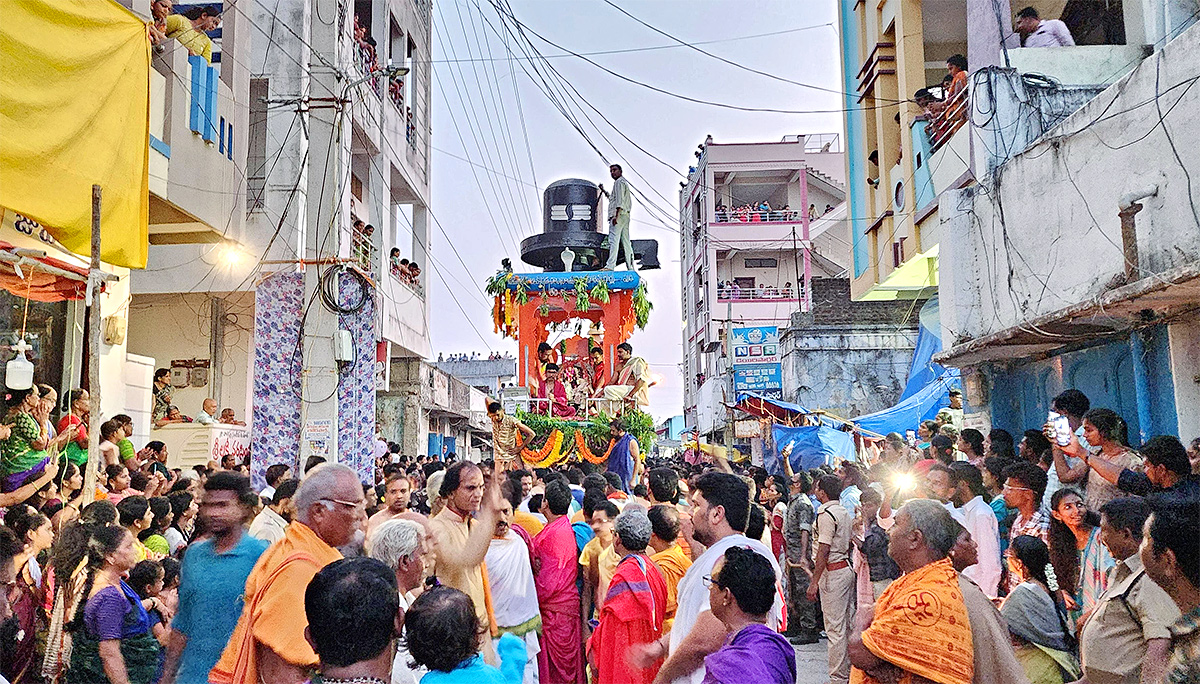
[550,453]
[586,452]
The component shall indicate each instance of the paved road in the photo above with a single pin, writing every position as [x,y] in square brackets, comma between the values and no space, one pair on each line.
[812,665]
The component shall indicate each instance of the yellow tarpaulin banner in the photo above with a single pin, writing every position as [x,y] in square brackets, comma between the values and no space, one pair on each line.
[74,111]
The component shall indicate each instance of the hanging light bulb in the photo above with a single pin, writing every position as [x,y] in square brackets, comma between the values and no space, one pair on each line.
[18,373]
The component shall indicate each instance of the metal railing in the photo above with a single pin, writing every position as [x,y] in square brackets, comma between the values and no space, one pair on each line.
[746,215]
[946,122]
[742,294]
[363,250]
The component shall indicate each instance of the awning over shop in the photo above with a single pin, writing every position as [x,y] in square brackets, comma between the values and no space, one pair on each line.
[781,411]
[1149,300]
[31,274]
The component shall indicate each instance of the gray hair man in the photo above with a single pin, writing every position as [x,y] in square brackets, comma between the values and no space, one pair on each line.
[636,600]
[268,643]
[920,625]
[401,545]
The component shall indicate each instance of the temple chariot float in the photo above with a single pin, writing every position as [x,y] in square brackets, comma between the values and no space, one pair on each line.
[575,317]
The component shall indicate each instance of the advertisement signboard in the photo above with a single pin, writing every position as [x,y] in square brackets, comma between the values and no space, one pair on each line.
[756,366]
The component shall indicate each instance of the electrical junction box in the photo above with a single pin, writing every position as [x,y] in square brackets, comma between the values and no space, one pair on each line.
[343,346]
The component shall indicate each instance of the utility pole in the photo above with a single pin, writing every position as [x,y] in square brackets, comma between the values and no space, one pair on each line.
[95,278]
[326,235]
[806,302]
[730,397]
[216,348]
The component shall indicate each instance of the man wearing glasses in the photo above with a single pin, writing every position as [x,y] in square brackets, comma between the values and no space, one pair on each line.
[1024,484]
[268,644]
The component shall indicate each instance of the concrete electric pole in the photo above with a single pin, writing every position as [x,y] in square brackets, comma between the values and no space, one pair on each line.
[327,231]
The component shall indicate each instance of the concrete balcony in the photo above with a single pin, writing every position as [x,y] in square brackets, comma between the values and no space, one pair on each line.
[197,147]
[757,294]
[938,169]
[766,234]
[1080,65]
[402,314]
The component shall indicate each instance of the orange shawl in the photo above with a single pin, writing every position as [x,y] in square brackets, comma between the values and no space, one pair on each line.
[921,626]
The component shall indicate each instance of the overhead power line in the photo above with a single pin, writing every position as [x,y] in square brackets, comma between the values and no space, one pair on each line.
[646,48]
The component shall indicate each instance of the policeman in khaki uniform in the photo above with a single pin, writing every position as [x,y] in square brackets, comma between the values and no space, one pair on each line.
[1125,639]
[833,575]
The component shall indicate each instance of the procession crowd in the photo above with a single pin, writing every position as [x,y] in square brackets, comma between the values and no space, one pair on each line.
[646,570]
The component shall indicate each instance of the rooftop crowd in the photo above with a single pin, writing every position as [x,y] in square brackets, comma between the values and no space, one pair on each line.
[951,559]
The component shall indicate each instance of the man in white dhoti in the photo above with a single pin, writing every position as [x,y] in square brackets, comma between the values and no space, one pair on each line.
[630,380]
[619,203]
[514,595]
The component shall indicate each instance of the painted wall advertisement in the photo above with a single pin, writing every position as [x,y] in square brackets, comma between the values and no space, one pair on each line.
[756,366]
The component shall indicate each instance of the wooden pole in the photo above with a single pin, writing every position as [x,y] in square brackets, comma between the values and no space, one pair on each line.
[93,351]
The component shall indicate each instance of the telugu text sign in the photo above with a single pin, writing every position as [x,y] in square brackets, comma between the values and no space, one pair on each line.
[755,345]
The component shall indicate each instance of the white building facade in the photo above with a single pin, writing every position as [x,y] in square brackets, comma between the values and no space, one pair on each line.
[202,303]
[743,264]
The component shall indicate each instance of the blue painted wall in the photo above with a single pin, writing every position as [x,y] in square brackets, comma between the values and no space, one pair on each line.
[856,155]
[1021,394]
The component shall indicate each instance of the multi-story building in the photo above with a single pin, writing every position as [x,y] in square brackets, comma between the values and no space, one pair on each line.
[1050,203]
[198,115]
[900,158]
[263,169]
[488,375]
[745,264]
[451,414]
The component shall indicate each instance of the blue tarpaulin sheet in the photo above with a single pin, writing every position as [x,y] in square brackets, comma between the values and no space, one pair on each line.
[909,413]
[929,342]
[808,447]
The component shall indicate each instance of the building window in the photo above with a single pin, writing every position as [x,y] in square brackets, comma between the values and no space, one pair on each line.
[762,263]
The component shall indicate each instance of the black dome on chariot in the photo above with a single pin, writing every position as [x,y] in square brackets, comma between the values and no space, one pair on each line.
[571,219]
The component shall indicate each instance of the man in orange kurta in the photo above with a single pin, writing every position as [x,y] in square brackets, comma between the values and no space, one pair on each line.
[918,630]
[268,644]
[672,561]
[633,608]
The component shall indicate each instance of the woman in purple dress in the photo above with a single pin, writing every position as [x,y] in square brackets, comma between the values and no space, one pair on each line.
[741,592]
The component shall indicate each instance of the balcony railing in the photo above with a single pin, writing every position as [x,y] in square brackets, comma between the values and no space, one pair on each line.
[756,216]
[946,121]
[749,294]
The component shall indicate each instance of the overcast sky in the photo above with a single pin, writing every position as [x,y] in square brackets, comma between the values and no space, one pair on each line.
[487,210]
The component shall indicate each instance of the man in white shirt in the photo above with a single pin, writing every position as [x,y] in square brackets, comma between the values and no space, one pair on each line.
[401,545]
[971,509]
[1039,33]
[720,511]
[208,413]
[272,521]
[619,204]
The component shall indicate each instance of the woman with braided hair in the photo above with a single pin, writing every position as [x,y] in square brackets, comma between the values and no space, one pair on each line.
[112,641]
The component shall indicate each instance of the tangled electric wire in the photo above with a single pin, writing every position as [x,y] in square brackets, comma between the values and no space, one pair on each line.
[329,290]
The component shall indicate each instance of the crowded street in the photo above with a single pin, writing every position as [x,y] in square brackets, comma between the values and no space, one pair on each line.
[599,342]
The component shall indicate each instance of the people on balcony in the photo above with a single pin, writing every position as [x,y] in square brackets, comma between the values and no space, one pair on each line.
[956,68]
[159,11]
[1036,32]
[191,29]
[162,391]
[396,91]
[365,46]
[363,248]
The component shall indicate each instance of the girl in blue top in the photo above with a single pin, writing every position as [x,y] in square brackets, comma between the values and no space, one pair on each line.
[443,635]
